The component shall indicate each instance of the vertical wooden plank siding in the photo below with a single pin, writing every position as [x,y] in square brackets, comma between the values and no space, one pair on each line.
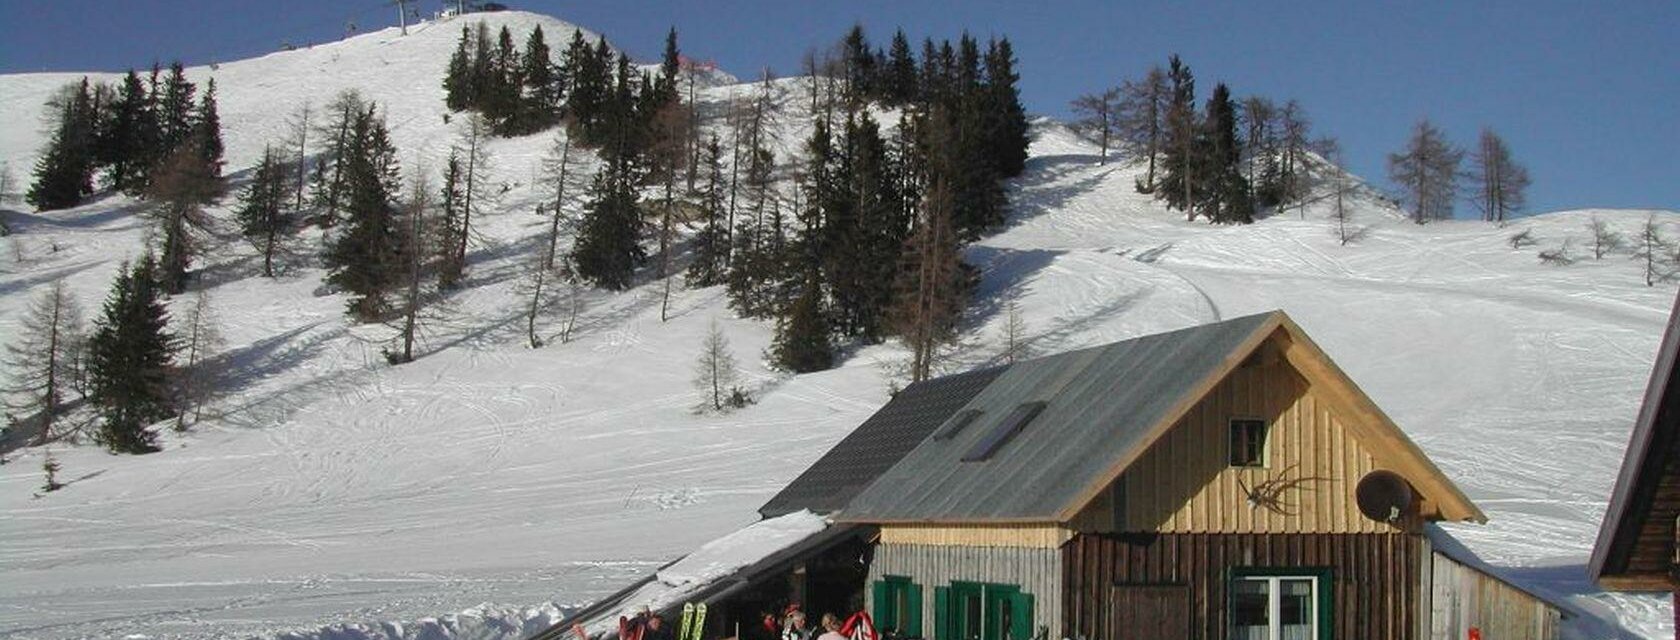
[1184,482]
[1464,597]
[1372,577]
[1036,570]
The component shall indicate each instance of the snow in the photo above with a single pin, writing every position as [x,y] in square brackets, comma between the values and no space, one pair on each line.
[487,487]
[716,559]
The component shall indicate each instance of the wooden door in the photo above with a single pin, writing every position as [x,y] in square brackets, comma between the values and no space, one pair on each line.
[1149,612]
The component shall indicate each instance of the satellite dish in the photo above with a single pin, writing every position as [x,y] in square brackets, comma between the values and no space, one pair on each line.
[1384,496]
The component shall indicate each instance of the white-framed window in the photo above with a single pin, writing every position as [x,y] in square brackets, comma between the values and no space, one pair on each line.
[1275,607]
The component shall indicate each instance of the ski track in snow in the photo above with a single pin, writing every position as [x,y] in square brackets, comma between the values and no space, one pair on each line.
[331,496]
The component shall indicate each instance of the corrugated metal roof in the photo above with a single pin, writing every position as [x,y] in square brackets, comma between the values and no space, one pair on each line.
[878,443]
[1656,433]
[1100,404]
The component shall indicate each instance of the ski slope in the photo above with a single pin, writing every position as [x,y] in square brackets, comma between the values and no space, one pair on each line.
[483,488]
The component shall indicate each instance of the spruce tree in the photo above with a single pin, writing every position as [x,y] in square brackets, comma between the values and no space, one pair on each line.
[264,219]
[711,244]
[540,107]
[457,78]
[64,173]
[207,130]
[126,137]
[608,247]
[365,259]
[449,269]
[1224,191]
[802,343]
[131,355]
[1180,164]
[899,78]
[175,110]
[1002,102]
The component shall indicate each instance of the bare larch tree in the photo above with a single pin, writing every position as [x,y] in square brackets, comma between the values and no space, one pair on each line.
[42,357]
[1498,180]
[1096,113]
[1427,173]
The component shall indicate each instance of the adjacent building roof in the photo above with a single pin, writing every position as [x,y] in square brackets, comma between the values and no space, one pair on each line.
[878,443]
[1101,409]
[1652,461]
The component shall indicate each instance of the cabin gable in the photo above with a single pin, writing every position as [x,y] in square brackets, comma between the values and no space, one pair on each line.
[1193,480]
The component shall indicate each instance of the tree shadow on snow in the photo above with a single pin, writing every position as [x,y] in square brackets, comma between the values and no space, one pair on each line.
[1045,186]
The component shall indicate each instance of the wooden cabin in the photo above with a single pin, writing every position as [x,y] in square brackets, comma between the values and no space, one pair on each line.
[1222,481]
[1636,548]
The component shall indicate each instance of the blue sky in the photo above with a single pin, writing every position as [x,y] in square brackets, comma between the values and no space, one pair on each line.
[1587,94]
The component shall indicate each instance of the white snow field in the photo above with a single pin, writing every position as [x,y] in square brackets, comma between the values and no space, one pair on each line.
[479,490]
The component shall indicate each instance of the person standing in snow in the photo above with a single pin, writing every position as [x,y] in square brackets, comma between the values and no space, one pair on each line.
[831,628]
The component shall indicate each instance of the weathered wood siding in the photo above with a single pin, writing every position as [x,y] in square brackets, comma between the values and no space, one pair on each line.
[1463,597]
[1184,482]
[1377,578]
[1036,571]
[1035,536]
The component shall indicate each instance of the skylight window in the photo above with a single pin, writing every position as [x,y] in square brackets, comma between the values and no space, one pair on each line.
[956,424]
[1004,432]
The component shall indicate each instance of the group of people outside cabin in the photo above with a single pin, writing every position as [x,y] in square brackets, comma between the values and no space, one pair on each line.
[793,625]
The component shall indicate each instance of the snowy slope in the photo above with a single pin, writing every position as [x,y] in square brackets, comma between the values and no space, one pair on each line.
[332,490]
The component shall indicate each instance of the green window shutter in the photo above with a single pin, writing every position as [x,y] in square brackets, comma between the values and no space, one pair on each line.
[1022,616]
[912,619]
[942,621]
[1327,604]
[882,597]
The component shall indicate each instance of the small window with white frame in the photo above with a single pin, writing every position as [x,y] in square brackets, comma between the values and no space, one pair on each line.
[1276,607]
[1248,442]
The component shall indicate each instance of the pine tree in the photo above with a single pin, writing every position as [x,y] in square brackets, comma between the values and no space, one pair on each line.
[458,78]
[711,244]
[264,219]
[1180,169]
[1224,191]
[1427,173]
[608,247]
[207,130]
[130,360]
[41,357]
[449,231]
[543,88]
[125,139]
[175,110]
[502,104]
[481,70]
[802,343]
[328,184]
[899,78]
[365,259]
[64,174]
[1002,102]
